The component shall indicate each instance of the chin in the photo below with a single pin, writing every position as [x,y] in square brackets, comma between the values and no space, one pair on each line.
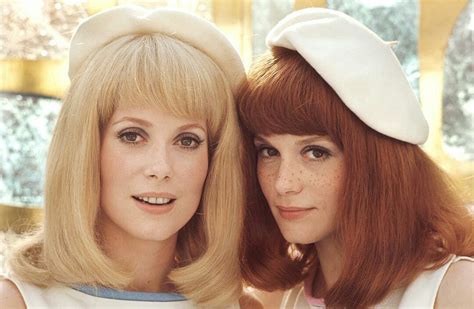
[153,233]
[298,238]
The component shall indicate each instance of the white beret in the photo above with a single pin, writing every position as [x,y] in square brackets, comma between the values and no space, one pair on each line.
[360,67]
[98,30]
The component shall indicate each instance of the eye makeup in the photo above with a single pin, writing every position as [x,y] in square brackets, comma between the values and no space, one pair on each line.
[189,141]
[132,135]
[316,152]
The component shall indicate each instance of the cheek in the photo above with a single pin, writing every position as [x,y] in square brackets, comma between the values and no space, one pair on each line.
[336,180]
[266,177]
[112,179]
[326,185]
[193,169]
[116,164]
[108,160]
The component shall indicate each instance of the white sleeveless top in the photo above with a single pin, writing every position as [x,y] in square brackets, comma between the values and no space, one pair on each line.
[60,296]
[420,293]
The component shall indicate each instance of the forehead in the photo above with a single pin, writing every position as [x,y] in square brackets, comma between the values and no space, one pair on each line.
[291,139]
[150,116]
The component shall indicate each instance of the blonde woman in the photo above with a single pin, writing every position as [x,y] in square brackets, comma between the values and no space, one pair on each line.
[143,185]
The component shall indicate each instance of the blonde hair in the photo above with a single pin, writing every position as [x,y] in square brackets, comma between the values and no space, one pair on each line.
[151,69]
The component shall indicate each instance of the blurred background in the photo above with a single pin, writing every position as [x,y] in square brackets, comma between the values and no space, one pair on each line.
[435,48]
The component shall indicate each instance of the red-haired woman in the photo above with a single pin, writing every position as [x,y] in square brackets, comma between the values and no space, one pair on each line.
[348,210]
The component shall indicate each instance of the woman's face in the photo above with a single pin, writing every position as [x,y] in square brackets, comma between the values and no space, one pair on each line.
[301,178]
[153,167]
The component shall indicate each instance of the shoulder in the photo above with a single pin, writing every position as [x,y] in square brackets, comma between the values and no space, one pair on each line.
[10,296]
[457,285]
[248,301]
[269,299]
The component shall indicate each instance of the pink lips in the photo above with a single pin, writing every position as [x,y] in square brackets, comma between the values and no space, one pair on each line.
[155,210]
[293,213]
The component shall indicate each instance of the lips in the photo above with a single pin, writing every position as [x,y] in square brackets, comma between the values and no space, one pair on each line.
[155,204]
[293,213]
[155,199]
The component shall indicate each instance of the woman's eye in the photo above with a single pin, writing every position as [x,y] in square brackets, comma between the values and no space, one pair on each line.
[190,142]
[316,153]
[130,137]
[267,152]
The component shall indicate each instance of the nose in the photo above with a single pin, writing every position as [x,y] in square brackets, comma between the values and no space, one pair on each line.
[158,165]
[287,182]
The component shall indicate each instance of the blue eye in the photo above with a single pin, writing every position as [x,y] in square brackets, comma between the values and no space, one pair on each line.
[130,137]
[189,141]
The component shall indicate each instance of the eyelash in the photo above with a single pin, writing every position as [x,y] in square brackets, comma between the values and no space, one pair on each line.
[325,153]
[128,132]
[194,139]
[136,132]
[262,148]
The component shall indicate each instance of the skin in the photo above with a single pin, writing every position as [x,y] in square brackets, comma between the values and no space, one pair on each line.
[147,152]
[456,287]
[307,172]
[301,178]
[301,173]
[10,297]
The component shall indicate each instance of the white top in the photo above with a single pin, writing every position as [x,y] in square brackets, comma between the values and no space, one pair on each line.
[420,293]
[60,296]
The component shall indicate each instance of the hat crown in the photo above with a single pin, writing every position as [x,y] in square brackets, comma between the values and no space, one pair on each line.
[360,67]
[100,29]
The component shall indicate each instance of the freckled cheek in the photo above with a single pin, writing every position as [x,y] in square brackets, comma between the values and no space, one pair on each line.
[327,177]
[313,178]
[326,186]
[266,177]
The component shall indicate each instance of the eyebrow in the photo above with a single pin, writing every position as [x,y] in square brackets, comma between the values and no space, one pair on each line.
[191,126]
[260,139]
[148,124]
[133,119]
[313,139]
[308,140]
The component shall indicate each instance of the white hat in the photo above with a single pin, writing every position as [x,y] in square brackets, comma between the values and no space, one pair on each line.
[100,29]
[360,67]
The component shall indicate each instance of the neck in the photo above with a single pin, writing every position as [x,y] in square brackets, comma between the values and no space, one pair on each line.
[148,261]
[330,260]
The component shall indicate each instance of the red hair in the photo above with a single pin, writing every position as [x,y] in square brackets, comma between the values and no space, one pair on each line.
[399,213]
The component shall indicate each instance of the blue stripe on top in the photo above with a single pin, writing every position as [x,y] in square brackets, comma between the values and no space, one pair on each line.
[128,295]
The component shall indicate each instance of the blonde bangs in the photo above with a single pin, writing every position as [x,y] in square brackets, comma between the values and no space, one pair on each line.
[135,70]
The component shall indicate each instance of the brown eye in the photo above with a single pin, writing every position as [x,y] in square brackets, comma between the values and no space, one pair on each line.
[316,153]
[268,152]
